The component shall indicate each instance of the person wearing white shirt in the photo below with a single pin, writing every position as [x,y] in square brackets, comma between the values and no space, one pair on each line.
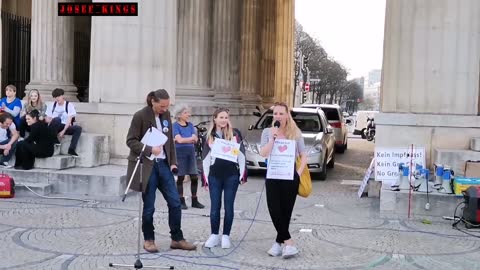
[61,117]
[8,138]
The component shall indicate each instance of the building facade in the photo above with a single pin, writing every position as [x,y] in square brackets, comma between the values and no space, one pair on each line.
[430,82]
[206,53]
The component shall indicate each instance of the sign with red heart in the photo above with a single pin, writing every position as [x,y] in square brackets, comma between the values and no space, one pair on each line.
[227,150]
[281,163]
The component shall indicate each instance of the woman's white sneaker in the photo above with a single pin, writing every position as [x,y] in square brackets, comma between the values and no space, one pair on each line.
[226,243]
[213,241]
[289,251]
[275,250]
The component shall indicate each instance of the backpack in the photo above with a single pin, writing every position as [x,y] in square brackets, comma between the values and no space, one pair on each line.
[66,110]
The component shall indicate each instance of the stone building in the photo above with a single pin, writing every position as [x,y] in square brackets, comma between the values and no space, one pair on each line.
[207,53]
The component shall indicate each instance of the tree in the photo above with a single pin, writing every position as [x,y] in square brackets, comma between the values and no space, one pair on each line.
[332,76]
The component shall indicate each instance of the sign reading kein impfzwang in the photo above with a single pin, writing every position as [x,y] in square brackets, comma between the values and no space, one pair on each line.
[387,160]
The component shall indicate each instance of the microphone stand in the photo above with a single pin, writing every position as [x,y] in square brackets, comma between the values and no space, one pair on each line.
[138,263]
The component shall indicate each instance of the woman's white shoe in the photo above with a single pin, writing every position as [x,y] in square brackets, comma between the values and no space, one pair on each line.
[213,241]
[275,250]
[289,251]
[226,243]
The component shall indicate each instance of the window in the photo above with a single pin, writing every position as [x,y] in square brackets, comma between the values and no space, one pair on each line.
[306,122]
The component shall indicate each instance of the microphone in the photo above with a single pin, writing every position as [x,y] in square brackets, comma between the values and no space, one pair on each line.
[175,171]
[277,125]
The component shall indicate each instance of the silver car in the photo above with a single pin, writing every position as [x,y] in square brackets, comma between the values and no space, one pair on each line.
[334,115]
[316,131]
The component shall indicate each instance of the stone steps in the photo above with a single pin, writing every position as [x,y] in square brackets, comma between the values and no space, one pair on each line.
[59,162]
[105,180]
[93,150]
[42,189]
[475,143]
[455,158]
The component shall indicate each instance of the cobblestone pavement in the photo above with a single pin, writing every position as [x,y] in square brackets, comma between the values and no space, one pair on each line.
[333,229]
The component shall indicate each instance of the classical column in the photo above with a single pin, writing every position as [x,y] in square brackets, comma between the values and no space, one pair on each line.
[193,50]
[250,54]
[226,50]
[267,59]
[131,56]
[51,51]
[284,39]
[431,57]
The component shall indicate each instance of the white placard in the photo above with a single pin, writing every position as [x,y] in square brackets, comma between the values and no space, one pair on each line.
[153,137]
[226,150]
[281,163]
[387,160]
[366,178]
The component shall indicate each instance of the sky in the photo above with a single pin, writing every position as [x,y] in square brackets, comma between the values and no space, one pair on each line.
[351,31]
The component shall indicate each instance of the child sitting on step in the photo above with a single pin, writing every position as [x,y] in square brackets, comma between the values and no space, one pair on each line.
[61,117]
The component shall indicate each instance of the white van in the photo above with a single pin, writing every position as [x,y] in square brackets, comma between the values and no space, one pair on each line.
[361,121]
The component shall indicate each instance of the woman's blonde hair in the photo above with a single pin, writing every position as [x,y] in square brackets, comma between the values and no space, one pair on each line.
[292,132]
[39,100]
[227,131]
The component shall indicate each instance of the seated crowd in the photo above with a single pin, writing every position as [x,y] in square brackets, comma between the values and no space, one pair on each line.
[32,130]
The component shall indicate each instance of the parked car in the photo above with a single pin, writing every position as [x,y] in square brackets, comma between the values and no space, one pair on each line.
[335,118]
[316,131]
[361,122]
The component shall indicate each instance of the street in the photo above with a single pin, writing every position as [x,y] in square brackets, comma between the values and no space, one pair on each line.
[333,229]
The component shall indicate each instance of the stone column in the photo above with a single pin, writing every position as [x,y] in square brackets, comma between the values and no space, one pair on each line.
[431,56]
[250,54]
[193,50]
[226,50]
[430,78]
[284,40]
[51,51]
[1,36]
[267,60]
[131,56]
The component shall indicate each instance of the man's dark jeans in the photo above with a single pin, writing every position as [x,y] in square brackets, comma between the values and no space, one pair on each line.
[6,158]
[74,130]
[162,178]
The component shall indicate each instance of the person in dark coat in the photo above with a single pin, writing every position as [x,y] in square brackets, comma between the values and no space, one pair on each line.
[157,169]
[40,143]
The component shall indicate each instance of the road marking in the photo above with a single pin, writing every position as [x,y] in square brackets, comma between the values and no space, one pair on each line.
[351,182]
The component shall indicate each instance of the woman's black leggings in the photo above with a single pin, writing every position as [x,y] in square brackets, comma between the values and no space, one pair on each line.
[194,184]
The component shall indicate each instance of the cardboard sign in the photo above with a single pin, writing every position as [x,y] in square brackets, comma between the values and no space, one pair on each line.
[368,173]
[472,169]
[281,163]
[387,160]
[227,150]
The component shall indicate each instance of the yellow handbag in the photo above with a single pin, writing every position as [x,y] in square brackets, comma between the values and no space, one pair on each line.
[305,187]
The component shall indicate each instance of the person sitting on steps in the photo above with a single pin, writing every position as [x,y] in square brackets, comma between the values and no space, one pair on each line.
[34,102]
[11,104]
[61,117]
[8,138]
[39,143]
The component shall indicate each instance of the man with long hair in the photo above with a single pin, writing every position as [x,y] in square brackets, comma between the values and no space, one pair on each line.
[157,173]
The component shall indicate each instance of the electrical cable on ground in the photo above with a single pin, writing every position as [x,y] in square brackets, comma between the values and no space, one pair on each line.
[61,198]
